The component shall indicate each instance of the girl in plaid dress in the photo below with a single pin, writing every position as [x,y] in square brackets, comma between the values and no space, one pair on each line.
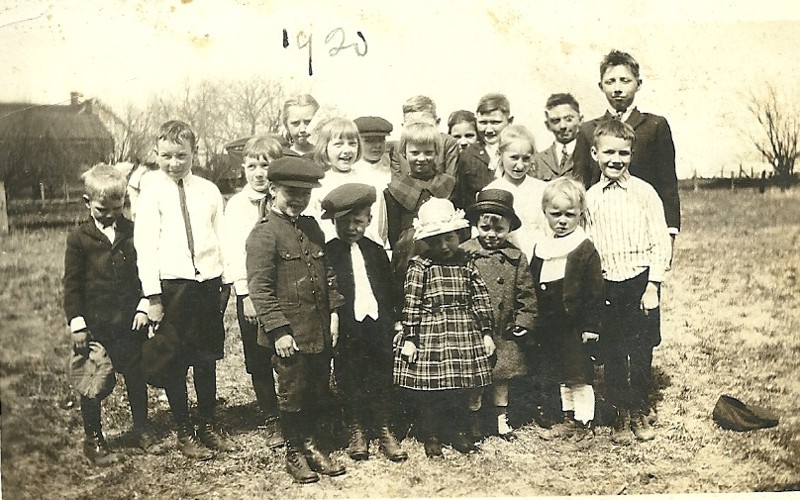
[447,329]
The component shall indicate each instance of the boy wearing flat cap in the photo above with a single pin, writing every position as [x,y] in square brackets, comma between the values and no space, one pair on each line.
[367,319]
[293,289]
[374,162]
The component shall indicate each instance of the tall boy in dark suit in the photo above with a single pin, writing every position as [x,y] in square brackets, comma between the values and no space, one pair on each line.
[654,158]
[103,302]
[367,320]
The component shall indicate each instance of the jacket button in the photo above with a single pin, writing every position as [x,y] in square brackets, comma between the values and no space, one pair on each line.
[306,252]
[544,286]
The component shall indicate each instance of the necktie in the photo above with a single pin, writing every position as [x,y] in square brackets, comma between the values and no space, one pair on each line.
[186,222]
[365,303]
[564,158]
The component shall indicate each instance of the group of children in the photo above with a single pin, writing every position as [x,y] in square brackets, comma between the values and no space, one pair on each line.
[437,269]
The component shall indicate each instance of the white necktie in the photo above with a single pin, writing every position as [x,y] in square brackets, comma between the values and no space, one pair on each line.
[365,303]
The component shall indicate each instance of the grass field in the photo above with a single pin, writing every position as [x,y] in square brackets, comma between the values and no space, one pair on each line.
[731,317]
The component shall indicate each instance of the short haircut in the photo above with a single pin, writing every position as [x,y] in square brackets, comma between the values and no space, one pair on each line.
[331,129]
[178,131]
[420,133]
[298,100]
[103,181]
[513,133]
[619,58]
[562,98]
[572,189]
[262,146]
[419,104]
[614,128]
[461,116]
[494,102]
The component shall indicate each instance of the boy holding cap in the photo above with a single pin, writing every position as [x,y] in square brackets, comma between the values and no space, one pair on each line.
[368,318]
[293,289]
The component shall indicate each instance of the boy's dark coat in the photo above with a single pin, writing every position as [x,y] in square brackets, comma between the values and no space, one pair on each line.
[380,277]
[653,158]
[473,174]
[100,278]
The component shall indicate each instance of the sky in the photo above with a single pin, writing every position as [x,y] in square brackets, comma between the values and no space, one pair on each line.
[699,60]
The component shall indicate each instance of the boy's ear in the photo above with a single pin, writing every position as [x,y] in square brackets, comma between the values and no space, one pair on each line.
[86,199]
[594,152]
[510,120]
[600,85]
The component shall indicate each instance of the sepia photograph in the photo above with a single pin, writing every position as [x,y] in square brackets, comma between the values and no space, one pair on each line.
[418,249]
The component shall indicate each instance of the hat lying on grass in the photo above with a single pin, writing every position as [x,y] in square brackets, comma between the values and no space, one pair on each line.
[92,374]
[733,415]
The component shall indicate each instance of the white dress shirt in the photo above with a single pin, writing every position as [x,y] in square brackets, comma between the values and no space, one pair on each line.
[241,214]
[160,235]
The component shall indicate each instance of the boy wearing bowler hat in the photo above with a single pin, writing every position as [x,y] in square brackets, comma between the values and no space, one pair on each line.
[294,292]
[368,318]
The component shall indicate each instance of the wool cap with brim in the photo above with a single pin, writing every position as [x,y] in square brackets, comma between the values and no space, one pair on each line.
[347,197]
[438,216]
[494,201]
[732,414]
[373,125]
[295,172]
[92,374]
[162,361]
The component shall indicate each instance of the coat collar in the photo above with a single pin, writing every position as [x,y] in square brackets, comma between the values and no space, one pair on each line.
[478,150]
[474,248]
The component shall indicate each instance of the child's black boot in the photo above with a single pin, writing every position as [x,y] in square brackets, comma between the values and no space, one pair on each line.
[96,449]
[640,425]
[621,433]
[562,430]
[357,447]
[433,446]
[296,463]
[190,445]
[214,439]
[319,461]
[460,441]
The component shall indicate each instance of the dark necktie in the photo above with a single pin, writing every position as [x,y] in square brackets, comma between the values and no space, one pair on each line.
[186,222]
[564,158]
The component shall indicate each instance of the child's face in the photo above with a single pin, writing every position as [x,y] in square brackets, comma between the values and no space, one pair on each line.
[174,158]
[465,134]
[350,228]
[516,159]
[493,230]
[490,125]
[342,153]
[421,159]
[442,246]
[374,147]
[563,122]
[255,171]
[613,155]
[105,210]
[562,215]
[298,119]
[620,86]
[290,200]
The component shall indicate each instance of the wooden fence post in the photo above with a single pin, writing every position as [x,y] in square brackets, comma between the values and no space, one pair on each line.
[3,209]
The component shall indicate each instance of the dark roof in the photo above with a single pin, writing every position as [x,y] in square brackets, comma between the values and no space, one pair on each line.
[60,122]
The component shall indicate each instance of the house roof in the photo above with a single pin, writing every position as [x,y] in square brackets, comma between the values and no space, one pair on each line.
[74,123]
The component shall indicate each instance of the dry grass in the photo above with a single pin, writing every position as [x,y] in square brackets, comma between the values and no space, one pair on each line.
[730,326]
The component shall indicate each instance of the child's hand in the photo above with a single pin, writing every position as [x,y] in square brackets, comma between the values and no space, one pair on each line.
[409,351]
[649,298]
[488,345]
[286,346]
[334,328]
[155,313]
[80,342]
[139,321]
[587,336]
[249,310]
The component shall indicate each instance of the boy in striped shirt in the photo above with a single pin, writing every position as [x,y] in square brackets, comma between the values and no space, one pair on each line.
[625,219]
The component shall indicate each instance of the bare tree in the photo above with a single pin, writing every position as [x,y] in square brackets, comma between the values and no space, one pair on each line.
[779,132]
[255,105]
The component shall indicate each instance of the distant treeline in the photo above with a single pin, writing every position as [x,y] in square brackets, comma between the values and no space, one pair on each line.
[735,183]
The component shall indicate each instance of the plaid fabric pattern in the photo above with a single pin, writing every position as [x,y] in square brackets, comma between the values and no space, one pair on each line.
[408,190]
[448,311]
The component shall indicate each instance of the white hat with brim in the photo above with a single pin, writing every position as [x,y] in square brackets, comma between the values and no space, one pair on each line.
[438,216]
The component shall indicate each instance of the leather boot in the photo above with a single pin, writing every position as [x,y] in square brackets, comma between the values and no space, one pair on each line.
[584,435]
[430,432]
[190,445]
[641,426]
[389,445]
[272,432]
[622,429]
[297,465]
[562,430]
[211,436]
[460,441]
[97,451]
[358,449]
[320,461]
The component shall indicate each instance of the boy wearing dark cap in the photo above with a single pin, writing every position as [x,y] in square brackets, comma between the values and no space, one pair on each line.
[293,289]
[374,163]
[367,320]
